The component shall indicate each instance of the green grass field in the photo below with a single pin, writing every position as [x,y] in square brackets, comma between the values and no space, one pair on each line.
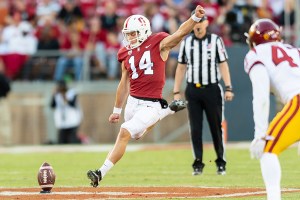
[148,168]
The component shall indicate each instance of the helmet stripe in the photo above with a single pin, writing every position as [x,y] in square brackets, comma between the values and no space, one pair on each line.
[126,22]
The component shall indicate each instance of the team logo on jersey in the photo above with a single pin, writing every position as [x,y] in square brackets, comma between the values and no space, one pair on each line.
[129,52]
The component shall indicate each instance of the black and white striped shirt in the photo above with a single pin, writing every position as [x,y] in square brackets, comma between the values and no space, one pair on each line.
[202,57]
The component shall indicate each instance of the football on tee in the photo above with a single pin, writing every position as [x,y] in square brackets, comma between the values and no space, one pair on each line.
[46,177]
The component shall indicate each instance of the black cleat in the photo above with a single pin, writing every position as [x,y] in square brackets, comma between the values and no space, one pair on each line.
[95,177]
[198,167]
[221,170]
[177,105]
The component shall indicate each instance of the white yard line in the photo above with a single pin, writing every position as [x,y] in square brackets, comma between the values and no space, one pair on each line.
[239,194]
[248,193]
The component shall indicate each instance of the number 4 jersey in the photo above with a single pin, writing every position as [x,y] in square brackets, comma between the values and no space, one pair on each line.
[282,64]
[146,67]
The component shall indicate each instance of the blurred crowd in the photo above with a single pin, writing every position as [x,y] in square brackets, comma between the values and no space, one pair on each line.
[59,39]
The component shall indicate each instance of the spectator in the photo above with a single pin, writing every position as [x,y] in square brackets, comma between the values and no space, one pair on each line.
[240,15]
[47,9]
[67,113]
[47,40]
[24,43]
[170,26]
[157,20]
[5,119]
[95,37]
[112,48]
[70,13]
[25,9]
[88,7]
[110,17]
[19,44]
[72,56]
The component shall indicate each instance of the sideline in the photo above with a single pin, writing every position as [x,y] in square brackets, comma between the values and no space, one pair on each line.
[105,147]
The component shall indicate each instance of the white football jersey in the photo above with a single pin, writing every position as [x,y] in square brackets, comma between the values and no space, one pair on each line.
[282,63]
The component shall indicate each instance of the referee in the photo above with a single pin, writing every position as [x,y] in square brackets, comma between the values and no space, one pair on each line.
[203,59]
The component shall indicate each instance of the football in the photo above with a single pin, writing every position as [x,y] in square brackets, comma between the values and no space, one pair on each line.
[46,177]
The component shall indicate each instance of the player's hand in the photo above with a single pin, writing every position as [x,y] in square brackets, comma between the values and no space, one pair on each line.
[114,118]
[258,145]
[257,148]
[199,11]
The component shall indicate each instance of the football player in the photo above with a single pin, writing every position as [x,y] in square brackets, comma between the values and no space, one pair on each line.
[142,59]
[273,67]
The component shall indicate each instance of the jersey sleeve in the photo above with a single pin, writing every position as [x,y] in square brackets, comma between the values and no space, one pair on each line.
[161,35]
[122,53]
[261,101]
[158,37]
[251,59]
[221,50]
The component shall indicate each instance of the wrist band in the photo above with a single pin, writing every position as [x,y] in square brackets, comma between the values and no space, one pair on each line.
[117,110]
[176,92]
[195,18]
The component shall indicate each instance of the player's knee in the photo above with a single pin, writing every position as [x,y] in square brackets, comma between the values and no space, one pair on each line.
[124,134]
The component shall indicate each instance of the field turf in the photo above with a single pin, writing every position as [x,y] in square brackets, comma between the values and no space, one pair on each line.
[159,165]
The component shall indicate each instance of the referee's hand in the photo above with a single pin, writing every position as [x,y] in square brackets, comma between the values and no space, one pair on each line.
[229,95]
[177,96]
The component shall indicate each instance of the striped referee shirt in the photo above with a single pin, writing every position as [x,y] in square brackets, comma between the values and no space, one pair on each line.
[202,57]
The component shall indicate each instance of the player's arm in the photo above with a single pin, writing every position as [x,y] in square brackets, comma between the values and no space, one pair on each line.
[121,95]
[179,76]
[261,99]
[172,40]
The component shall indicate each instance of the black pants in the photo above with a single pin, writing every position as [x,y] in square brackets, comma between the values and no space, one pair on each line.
[209,100]
[68,136]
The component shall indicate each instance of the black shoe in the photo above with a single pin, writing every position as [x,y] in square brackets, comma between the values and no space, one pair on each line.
[95,177]
[198,167]
[177,105]
[221,170]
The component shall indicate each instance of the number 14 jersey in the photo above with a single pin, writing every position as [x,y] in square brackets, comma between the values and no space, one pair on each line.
[146,67]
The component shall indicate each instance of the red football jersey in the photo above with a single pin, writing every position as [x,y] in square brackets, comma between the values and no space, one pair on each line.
[145,66]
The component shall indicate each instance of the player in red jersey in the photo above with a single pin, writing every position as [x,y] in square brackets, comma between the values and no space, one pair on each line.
[143,78]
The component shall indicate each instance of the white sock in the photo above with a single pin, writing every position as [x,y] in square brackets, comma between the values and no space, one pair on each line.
[271,172]
[165,112]
[107,165]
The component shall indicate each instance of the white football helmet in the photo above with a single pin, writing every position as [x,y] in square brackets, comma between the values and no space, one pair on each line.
[138,24]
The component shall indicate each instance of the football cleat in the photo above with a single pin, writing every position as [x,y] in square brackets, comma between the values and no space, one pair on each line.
[221,170]
[197,167]
[95,177]
[177,105]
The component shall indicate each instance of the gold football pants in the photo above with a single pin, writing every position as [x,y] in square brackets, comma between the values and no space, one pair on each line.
[285,127]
